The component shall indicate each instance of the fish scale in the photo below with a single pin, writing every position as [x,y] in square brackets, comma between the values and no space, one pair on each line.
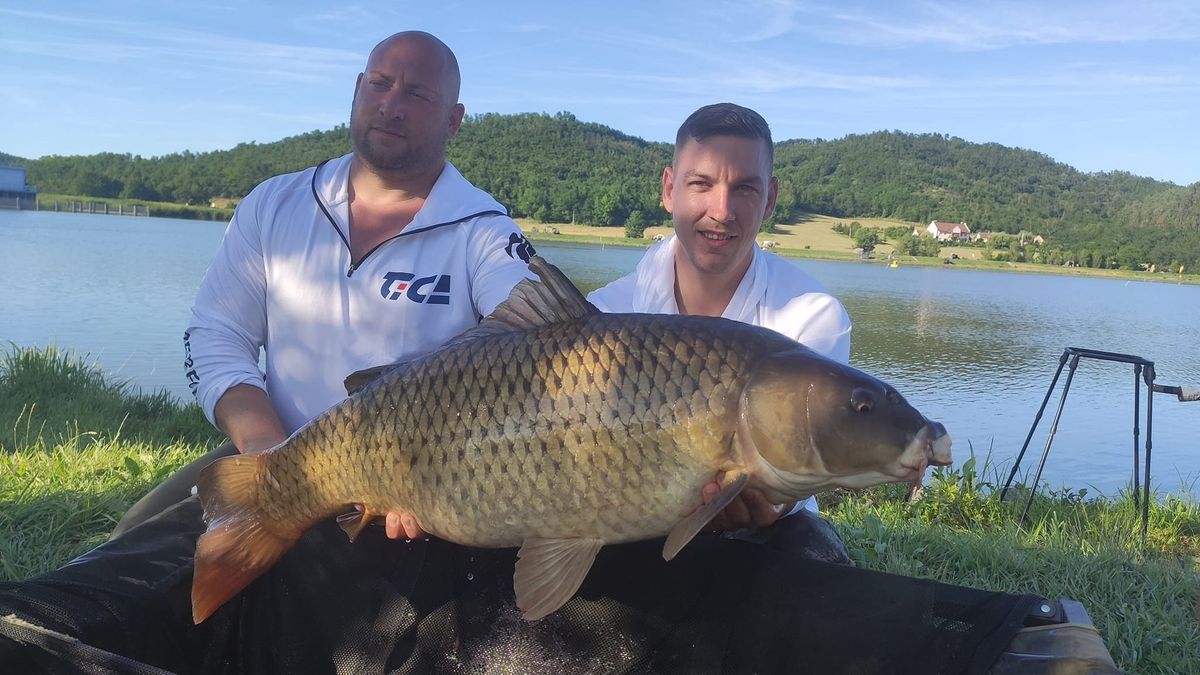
[481,416]
[558,429]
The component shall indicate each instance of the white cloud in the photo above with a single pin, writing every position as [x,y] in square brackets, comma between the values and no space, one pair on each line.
[1006,23]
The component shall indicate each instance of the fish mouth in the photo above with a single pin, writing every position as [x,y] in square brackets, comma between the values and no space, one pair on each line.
[929,447]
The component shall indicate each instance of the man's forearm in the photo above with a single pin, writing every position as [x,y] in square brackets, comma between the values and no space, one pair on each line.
[245,414]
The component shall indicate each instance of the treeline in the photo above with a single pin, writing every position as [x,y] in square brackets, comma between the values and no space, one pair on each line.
[185,177]
[556,168]
[922,177]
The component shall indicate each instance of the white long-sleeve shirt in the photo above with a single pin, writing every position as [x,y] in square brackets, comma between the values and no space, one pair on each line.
[773,294]
[283,280]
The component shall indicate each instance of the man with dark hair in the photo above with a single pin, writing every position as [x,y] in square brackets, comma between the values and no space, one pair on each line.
[719,189]
[724,119]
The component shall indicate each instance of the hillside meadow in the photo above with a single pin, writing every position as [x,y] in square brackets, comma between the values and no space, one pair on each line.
[813,236]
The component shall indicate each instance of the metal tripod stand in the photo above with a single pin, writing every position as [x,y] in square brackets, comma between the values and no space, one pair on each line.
[1143,371]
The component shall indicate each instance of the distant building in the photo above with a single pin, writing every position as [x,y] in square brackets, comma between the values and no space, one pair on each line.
[14,193]
[944,231]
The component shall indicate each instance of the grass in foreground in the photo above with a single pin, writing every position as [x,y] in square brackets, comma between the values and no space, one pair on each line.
[1142,596]
[62,490]
[76,450]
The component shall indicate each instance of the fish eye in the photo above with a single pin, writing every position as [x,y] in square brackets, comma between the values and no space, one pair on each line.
[862,400]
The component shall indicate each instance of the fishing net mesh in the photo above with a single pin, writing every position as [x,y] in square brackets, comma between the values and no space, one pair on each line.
[380,606]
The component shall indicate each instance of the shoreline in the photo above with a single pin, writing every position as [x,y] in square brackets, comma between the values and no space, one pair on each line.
[791,241]
[568,234]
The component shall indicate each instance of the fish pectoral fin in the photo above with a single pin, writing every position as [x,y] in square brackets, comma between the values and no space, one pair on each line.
[240,543]
[689,527]
[354,522]
[549,571]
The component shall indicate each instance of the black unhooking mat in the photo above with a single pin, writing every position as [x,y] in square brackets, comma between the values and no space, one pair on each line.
[381,606]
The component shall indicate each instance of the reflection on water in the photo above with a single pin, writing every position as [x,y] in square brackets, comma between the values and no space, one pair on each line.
[975,350]
[118,289]
[978,350]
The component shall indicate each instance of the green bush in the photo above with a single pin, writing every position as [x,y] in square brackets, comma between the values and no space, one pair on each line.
[635,225]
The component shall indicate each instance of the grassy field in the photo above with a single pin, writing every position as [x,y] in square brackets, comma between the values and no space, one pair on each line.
[813,237]
[76,450]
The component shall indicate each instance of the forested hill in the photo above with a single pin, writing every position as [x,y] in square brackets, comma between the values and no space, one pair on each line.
[558,169]
[555,168]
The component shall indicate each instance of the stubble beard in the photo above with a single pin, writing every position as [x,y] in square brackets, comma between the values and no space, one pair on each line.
[408,159]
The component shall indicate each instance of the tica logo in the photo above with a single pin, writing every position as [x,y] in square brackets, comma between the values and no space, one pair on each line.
[431,290]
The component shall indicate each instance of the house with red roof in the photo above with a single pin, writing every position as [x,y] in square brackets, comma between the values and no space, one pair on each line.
[945,231]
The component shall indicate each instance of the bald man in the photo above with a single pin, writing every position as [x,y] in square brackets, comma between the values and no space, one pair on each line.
[372,258]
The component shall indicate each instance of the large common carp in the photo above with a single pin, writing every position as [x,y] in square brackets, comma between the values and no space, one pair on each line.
[558,428]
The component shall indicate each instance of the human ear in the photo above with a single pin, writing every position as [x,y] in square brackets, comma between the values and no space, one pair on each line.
[668,182]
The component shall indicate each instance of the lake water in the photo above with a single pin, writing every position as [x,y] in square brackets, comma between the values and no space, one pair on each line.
[975,350]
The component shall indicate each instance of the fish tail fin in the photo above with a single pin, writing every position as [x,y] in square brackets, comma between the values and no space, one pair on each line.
[240,543]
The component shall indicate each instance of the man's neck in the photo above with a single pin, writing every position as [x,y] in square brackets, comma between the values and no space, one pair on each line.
[699,294]
[384,188]
[382,204]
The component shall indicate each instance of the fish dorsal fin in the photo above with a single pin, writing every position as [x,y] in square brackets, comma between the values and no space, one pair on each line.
[549,571]
[359,379]
[532,304]
[553,300]
[688,528]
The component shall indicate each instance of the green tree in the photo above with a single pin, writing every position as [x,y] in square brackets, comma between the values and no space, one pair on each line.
[93,184]
[635,225]
[867,239]
[918,245]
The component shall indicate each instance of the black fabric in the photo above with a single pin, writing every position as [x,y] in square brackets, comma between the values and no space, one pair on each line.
[171,491]
[722,606]
[803,533]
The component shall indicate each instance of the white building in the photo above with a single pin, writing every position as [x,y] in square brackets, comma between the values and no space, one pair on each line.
[944,231]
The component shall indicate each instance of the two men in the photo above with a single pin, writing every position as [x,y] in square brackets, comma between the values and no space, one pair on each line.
[387,253]
[369,259]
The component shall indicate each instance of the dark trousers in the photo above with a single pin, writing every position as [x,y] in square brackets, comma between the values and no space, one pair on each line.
[169,492]
[377,605]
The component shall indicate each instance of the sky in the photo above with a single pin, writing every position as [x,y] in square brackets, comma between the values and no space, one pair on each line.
[1099,85]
